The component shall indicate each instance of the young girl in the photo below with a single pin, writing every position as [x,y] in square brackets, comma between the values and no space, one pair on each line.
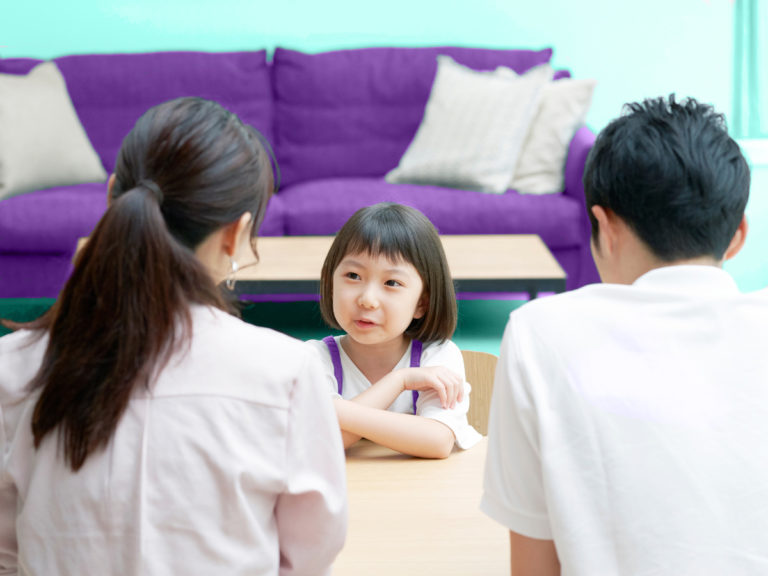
[397,378]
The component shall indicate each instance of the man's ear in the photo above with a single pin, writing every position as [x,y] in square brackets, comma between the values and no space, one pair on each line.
[739,237]
[606,230]
[233,233]
[110,186]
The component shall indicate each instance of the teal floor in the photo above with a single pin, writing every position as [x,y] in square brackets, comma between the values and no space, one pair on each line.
[480,327]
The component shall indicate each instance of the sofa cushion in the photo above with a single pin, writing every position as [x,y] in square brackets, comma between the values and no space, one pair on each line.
[42,143]
[321,207]
[111,91]
[473,128]
[51,221]
[562,109]
[353,112]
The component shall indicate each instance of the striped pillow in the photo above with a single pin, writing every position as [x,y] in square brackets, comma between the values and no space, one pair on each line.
[473,128]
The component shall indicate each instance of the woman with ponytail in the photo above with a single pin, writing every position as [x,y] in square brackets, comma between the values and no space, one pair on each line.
[143,428]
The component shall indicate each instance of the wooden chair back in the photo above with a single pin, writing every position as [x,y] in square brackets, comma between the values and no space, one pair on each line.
[480,369]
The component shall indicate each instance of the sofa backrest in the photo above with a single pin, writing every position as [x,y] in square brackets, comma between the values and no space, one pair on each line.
[111,91]
[354,112]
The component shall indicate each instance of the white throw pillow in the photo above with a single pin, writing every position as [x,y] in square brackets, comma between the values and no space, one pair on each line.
[562,108]
[42,143]
[473,128]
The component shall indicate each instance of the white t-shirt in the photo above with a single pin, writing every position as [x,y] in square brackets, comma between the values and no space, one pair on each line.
[629,425]
[232,464]
[428,404]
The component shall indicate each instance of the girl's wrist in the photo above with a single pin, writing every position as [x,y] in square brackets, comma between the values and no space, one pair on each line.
[404,373]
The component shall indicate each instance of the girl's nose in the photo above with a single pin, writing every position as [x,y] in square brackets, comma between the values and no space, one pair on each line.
[368,299]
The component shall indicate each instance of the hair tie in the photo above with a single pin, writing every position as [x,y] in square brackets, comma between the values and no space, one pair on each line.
[152,186]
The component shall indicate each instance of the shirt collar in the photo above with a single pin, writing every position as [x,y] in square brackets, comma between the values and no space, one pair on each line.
[689,278]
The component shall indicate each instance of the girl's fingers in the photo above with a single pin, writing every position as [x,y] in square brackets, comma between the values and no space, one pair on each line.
[448,385]
[442,393]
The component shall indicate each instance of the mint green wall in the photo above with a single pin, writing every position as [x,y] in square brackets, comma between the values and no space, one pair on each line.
[633,49]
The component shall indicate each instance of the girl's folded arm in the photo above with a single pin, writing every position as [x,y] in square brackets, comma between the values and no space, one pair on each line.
[382,393]
[448,385]
[378,397]
[413,435]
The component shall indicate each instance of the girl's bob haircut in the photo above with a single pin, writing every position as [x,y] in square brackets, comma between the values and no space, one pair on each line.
[400,234]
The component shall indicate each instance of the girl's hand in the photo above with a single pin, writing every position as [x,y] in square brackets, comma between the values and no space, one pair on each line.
[448,385]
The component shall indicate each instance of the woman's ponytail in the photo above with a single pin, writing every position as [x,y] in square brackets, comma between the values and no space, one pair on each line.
[117,321]
[187,169]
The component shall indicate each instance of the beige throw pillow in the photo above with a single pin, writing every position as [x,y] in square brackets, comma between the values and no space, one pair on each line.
[562,108]
[42,143]
[473,128]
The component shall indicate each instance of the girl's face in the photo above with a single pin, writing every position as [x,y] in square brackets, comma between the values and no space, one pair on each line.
[375,299]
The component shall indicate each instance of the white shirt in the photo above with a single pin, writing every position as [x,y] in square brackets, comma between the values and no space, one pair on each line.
[428,405]
[630,425]
[232,464]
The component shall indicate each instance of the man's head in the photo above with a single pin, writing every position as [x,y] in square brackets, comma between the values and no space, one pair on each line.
[670,174]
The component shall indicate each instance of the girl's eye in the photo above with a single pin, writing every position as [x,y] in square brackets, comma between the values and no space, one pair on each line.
[352,275]
[392,283]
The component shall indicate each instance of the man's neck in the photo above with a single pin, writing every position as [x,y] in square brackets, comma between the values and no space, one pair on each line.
[640,267]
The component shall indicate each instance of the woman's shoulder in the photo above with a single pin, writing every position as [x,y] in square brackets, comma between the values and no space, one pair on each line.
[22,339]
[231,358]
[232,333]
[231,340]
[21,354]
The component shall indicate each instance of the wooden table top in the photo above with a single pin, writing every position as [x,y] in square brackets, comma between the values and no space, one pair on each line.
[469,257]
[409,516]
[477,263]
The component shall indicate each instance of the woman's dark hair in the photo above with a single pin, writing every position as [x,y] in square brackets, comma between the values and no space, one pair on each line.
[399,233]
[188,168]
[670,170]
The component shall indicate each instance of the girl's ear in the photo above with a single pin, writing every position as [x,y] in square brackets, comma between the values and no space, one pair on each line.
[421,307]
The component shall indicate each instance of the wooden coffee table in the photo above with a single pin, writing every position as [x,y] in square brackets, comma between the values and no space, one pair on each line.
[478,263]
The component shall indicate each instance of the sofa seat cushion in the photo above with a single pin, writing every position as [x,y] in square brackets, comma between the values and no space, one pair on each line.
[321,208]
[51,221]
[353,113]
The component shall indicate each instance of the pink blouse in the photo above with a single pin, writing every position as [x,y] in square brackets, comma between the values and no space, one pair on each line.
[231,464]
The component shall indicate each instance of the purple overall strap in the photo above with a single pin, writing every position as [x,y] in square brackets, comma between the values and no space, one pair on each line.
[415,363]
[333,348]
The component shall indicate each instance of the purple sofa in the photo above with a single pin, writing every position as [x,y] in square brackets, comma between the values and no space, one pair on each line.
[338,121]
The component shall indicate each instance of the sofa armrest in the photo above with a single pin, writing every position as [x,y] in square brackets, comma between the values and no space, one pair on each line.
[578,150]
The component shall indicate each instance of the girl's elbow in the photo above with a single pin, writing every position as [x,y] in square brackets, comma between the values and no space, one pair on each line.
[447,449]
[443,452]
[349,439]
[443,447]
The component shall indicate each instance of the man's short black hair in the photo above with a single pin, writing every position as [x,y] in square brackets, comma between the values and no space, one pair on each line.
[670,170]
